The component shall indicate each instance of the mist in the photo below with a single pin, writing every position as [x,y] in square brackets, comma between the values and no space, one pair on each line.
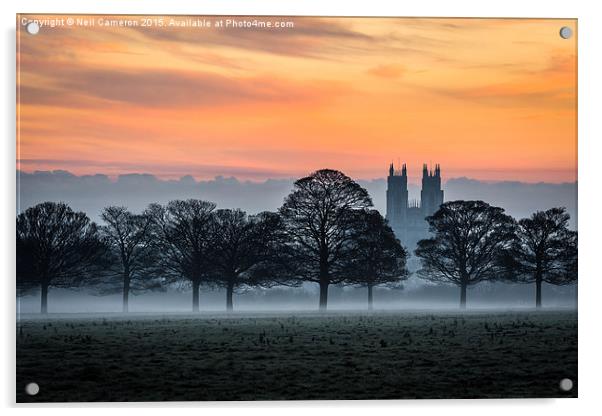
[135,191]
[415,295]
[91,193]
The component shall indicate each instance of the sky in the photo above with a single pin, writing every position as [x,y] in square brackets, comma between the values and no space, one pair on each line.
[491,100]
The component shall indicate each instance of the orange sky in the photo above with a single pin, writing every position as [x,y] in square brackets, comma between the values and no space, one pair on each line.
[487,99]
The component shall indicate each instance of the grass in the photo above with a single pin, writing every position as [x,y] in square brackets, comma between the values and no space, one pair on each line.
[394,355]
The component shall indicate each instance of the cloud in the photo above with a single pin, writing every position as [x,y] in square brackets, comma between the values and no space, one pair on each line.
[166,169]
[310,37]
[57,97]
[77,87]
[550,86]
[387,71]
[91,193]
[319,38]
[513,96]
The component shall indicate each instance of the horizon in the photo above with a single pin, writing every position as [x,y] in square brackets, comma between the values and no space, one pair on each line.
[412,179]
[91,193]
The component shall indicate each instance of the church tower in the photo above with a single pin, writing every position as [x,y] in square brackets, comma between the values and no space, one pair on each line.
[397,198]
[408,219]
[431,196]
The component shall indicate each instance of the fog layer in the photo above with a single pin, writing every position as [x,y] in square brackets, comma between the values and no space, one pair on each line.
[91,193]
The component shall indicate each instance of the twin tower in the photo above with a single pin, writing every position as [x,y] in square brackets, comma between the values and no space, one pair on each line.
[407,218]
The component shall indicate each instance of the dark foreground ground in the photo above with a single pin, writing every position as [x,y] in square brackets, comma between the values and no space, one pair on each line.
[309,356]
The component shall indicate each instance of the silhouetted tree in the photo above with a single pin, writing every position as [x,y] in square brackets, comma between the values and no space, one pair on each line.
[240,244]
[376,256]
[277,265]
[468,237]
[182,232]
[133,252]
[318,223]
[56,247]
[545,250]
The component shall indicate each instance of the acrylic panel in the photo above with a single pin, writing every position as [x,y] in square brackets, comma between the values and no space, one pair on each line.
[295,208]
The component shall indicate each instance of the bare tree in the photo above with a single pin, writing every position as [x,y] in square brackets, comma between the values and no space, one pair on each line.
[182,232]
[545,250]
[376,256]
[241,246]
[318,223]
[277,265]
[56,247]
[133,253]
[468,237]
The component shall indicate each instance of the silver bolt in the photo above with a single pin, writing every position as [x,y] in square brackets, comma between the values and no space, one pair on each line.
[566,32]
[566,384]
[32,28]
[32,389]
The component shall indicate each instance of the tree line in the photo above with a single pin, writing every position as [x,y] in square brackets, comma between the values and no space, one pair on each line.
[326,232]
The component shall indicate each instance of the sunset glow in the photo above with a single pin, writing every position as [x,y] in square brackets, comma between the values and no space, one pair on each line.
[486,99]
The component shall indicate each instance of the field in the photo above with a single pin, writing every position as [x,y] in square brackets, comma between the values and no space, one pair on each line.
[394,355]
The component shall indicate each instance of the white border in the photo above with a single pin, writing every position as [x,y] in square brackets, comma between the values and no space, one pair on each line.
[590,134]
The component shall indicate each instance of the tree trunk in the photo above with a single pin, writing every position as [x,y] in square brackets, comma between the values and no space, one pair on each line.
[463,296]
[370,298]
[324,277]
[44,299]
[229,293]
[538,293]
[195,296]
[126,292]
[323,295]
